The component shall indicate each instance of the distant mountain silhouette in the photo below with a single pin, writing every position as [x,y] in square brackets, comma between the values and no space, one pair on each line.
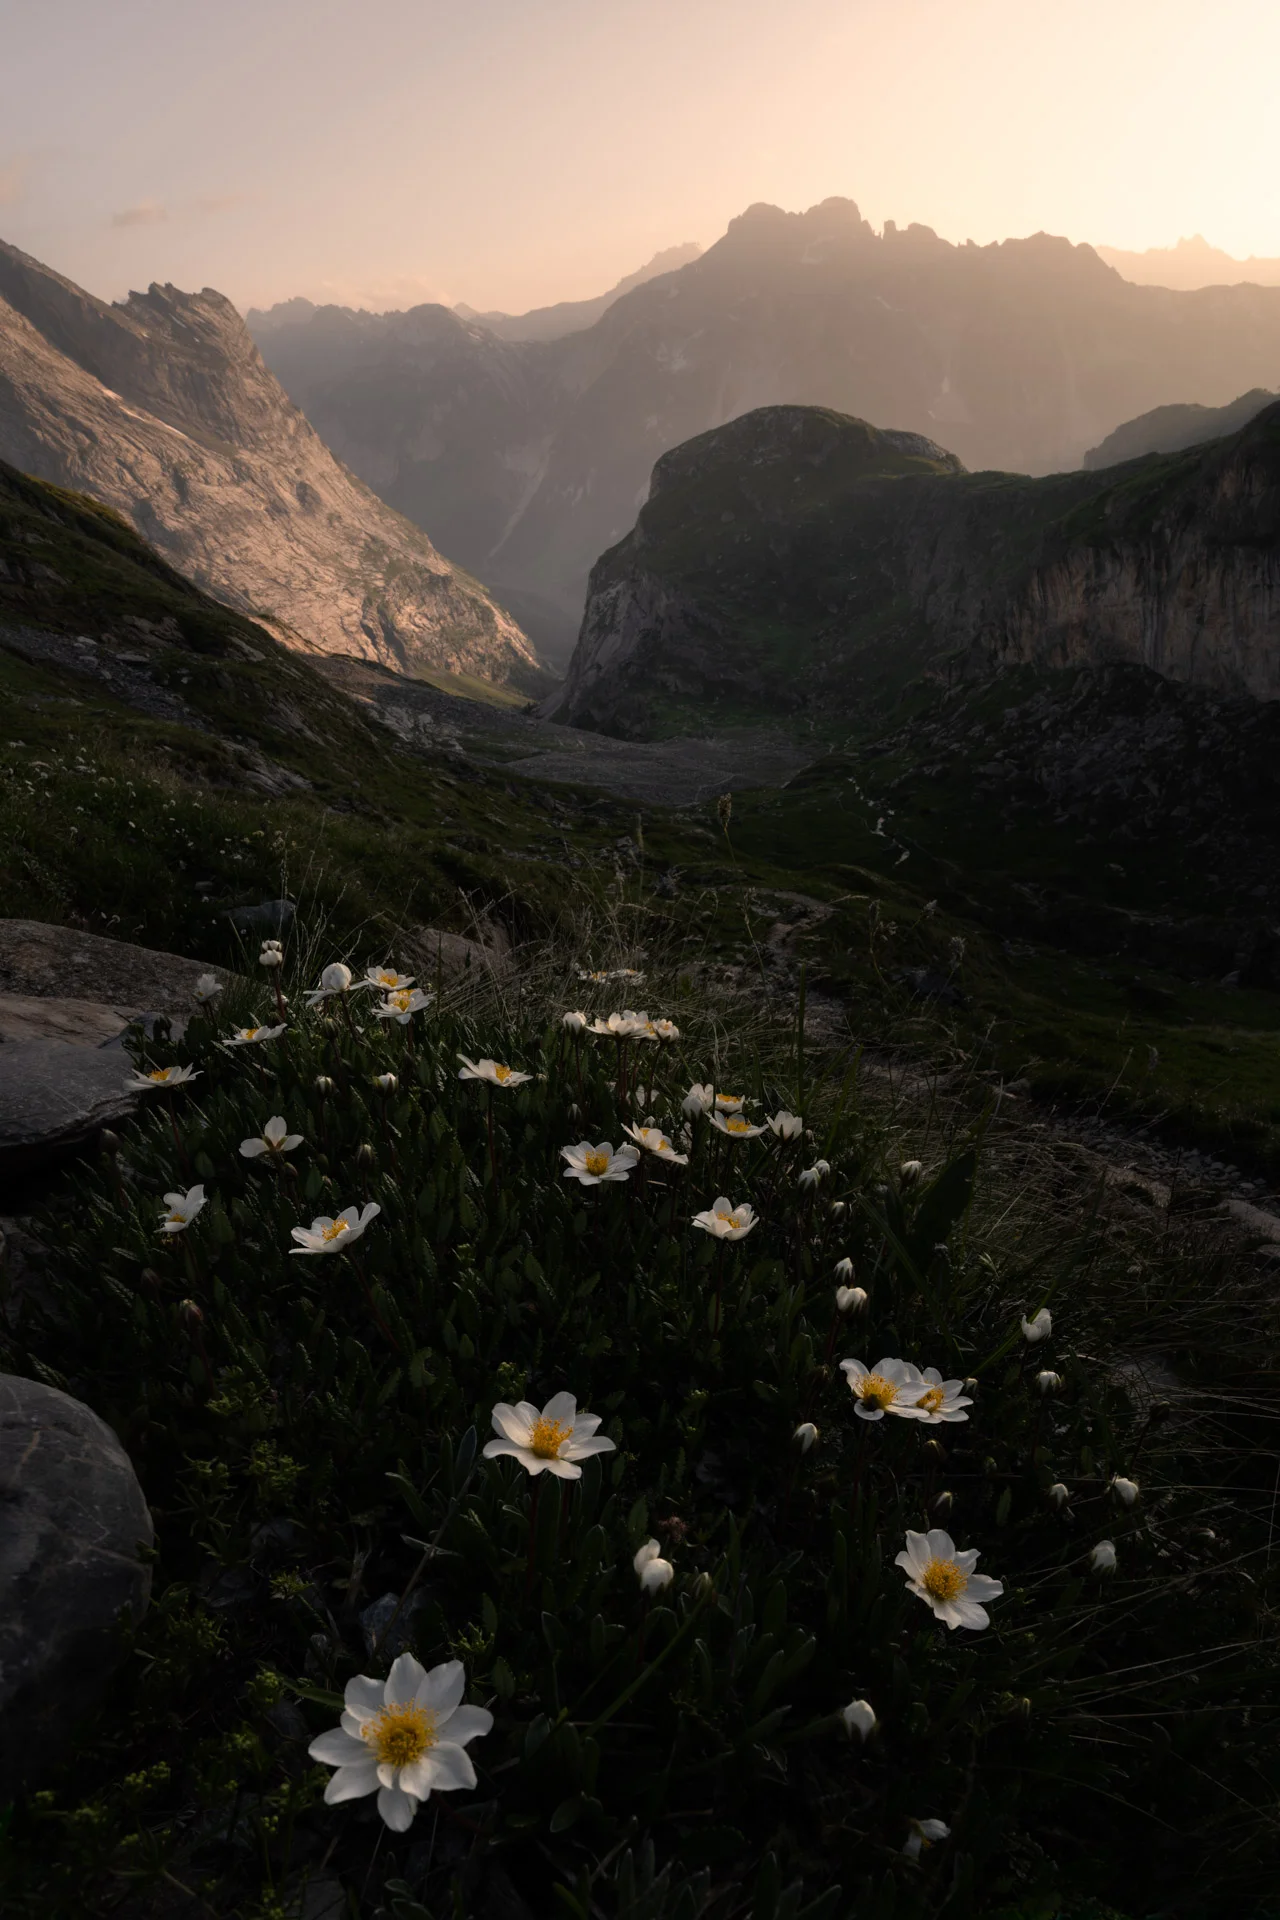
[572,316]
[1169,429]
[527,458]
[1191,264]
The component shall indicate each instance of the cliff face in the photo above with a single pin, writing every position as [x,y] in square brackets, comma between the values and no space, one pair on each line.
[797,561]
[162,408]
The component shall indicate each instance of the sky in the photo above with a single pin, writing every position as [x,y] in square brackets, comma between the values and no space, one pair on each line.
[510,153]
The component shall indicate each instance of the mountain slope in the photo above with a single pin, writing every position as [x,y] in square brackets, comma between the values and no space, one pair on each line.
[800,561]
[1018,356]
[1169,429]
[571,316]
[1191,264]
[163,409]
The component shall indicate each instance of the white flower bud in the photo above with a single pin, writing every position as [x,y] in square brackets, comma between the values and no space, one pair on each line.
[271,954]
[387,1082]
[837,1208]
[1126,1491]
[575,1022]
[1102,1558]
[844,1269]
[1038,1328]
[1059,1494]
[850,1299]
[859,1717]
[336,978]
[909,1172]
[653,1572]
[1048,1382]
[805,1435]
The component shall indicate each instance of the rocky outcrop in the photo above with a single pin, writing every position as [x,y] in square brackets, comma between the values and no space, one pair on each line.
[72,1572]
[800,561]
[162,408]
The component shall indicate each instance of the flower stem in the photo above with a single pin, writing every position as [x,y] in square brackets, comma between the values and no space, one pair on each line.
[535,1491]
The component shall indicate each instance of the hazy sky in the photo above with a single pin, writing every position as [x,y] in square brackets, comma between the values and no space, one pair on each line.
[513,152]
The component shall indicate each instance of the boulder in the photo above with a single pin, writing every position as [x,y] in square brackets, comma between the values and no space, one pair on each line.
[71,1570]
[62,962]
[55,1095]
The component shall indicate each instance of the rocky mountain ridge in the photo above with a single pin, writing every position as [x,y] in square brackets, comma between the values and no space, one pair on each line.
[800,561]
[162,408]
[528,458]
[1169,429]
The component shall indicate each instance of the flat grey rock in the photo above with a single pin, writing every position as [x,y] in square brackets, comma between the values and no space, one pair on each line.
[65,963]
[54,1095]
[74,1519]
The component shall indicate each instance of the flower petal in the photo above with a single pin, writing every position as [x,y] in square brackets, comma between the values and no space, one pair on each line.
[564,1469]
[509,1422]
[562,1408]
[941,1545]
[969,1614]
[405,1678]
[396,1808]
[364,1697]
[497,1449]
[448,1767]
[465,1723]
[982,1587]
[352,1783]
[335,1748]
[441,1690]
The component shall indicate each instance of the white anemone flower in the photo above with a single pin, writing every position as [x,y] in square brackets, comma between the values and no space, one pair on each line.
[850,1299]
[730,1102]
[665,1029]
[909,1172]
[726,1222]
[275,1138]
[160,1077]
[653,1572]
[1059,1494]
[271,954]
[1125,1491]
[336,978]
[553,1441]
[1048,1382]
[334,1236]
[206,988]
[594,1165]
[491,1070]
[180,1209]
[387,980]
[939,1399]
[859,1717]
[402,1003]
[805,1436]
[786,1126]
[596,979]
[891,1386]
[404,1738]
[575,1022]
[656,1142]
[252,1036]
[944,1579]
[736,1126]
[698,1100]
[1102,1558]
[924,1834]
[810,1176]
[386,1081]
[1038,1327]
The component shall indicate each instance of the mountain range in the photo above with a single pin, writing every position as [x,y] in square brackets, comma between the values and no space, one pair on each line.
[1169,429]
[1191,264]
[526,458]
[799,561]
[161,407]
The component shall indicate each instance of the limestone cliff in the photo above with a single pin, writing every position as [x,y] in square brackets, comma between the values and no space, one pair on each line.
[162,408]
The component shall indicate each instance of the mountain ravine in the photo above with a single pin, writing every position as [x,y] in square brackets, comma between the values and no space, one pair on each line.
[161,407]
[800,561]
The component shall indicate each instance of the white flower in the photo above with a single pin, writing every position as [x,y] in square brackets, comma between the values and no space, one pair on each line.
[335,979]
[1059,1494]
[1038,1328]
[404,1738]
[491,1070]
[697,1101]
[387,980]
[206,988]
[1048,1382]
[403,1003]
[593,1165]
[938,1400]
[729,1102]
[387,1082]
[1102,1558]
[251,1036]
[655,1141]
[850,1299]
[945,1579]
[1126,1491]
[805,1435]
[161,1077]
[844,1269]
[736,1127]
[924,1833]
[725,1222]
[859,1717]
[596,979]
[837,1208]
[576,1022]
[271,954]
[810,1176]
[665,1029]
[621,1026]
[787,1126]
[909,1172]
[553,1441]
[333,1236]
[891,1386]
[180,1209]
[653,1572]
[625,973]
[274,1138]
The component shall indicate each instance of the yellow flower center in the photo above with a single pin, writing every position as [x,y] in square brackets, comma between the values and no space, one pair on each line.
[401,1734]
[877,1391]
[250,1033]
[547,1438]
[932,1400]
[502,1075]
[597,1163]
[943,1580]
[335,1230]
[731,1219]
[728,1101]
[401,1000]
[736,1125]
[178,1219]
[159,1075]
